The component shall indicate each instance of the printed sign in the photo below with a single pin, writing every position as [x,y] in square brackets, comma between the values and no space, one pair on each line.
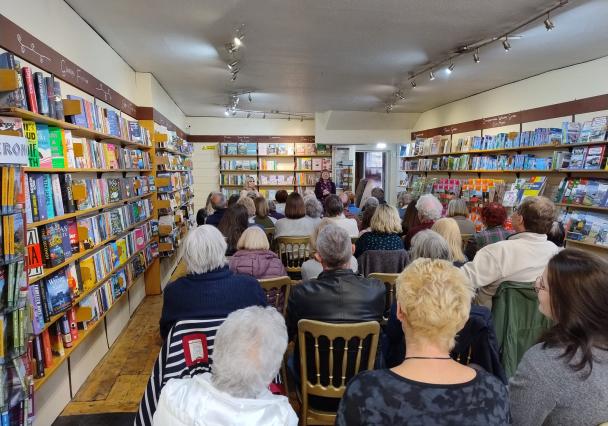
[13,150]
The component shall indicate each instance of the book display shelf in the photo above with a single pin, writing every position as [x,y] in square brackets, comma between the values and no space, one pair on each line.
[292,166]
[567,164]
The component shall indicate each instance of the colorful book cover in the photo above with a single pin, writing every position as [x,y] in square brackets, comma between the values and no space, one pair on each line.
[594,158]
[57,199]
[40,198]
[577,160]
[88,273]
[48,194]
[29,131]
[30,91]
[57,143]
[41,93]
[599,126]
[140,239]
[114,189]
[58,102]
[79,119]
[65,239]
[34,254]
[44,146]
[73,235]
[36,304]
[65,185]
[58,292]
[52,244]
[122,250]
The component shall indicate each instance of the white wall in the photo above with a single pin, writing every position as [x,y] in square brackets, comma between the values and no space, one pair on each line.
[567,84]
[248,126]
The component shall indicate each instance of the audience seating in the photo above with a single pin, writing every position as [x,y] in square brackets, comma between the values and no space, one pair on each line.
[270,235]
[277,292]
[517,320]
[389,283]
[465,239]
[339,351]
[293,252]
[383,261]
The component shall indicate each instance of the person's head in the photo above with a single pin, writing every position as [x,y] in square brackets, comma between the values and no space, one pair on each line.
[367,215]
[557,234]
[272,206]
[379,194]
[448,229]
[248,350]
[232,200]
[325,175]
[433,302]
[250,184]
[314,208]
[333,206]
[281,196]
[429,244]
[351,196]
[208,204]
[429,208]
[261,207]
[457,207]
[253,238]
[218,201]
[344,199]
[307,192]
[573,292]
[493,214]
[315,233]
[534,214]
[204,249]
[403,199]
[410,218]
[249,205]
[233,223]
[370,202]
[201,215]
[294,206]
[386,220]
[334,247]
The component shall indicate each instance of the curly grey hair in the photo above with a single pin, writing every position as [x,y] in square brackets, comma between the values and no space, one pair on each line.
[204,249]
[313,207]
[429,244]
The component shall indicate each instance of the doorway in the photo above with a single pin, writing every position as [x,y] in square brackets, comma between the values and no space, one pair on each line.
[371,165]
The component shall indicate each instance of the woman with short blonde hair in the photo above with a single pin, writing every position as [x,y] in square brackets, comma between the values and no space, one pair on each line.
[253,256]
[384,234]
[433,304]
[448,229]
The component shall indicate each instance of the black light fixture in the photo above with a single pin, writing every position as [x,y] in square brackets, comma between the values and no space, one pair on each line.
[431,75]
[476,56]
[248,114]
[249,96]
[399,94]
[549,25]
[264,116]
[233,65]
[451,68]
[413,83]
[506,45]
[301,119]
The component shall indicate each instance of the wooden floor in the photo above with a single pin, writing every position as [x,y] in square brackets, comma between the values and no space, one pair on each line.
[119,381]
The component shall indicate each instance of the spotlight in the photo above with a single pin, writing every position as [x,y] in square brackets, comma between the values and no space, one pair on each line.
[431,75]
[248,114]
[289,117]
[249,96]
[476,56]
[301,119]
[451,68]
[399,95]
[380,145]
[549,25]
[234,75]
[264,116]
[506,45]
[389,108]
[233,65]
[413,83]
[233,112]
[227,112]
[237,41]
[231,48]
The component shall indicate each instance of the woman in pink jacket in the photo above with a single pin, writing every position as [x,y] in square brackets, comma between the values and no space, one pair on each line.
[254,257]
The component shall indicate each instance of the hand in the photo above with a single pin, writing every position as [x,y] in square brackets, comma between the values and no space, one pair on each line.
[325,192]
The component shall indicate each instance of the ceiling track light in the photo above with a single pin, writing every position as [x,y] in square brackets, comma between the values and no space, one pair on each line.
[233,113]
[413,83]
[264,115]
[389,108]
[239,36]
[549,25]
[399,95]
[451,68]
[301,119]
[249,96]
[506,45]
[233,65]
[234,76]
[476,56]
[431,75]
[248,115]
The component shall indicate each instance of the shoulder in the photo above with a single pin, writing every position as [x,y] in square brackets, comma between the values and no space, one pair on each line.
[365,382]
[492,383]
[543,356]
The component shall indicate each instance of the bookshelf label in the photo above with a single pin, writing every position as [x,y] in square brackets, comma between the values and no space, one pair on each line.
[501,120]
[13,150]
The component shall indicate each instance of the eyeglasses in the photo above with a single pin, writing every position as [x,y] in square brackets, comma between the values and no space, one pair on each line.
[539,284]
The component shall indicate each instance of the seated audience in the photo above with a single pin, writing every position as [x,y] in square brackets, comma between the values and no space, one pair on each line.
[312,267]
[337,294]
[563,380]
[281,201]
[314,209]
[429,210]
[249,205]
[557,234]
[253,256]
[232,200]
[457,210]
[429,387]
[210,289]
[345,210]
[367,220]
[295,223]
[262,211]
[493,216]
[385,228]
[232,225]
[247,355]
[272,207]
[352,207]
[522,257]
[378,193]
[218,204]
[403,199]
[201,215]
[429,244]
[410,217]
[334,210]
[447,227]
[370,203]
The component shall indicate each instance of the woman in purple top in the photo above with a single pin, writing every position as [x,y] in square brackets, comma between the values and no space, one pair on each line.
[324,186]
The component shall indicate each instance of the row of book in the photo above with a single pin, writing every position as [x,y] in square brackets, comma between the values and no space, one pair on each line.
[583,191]
[173,142]
[168,161]
[238,164]
[485,162]
[51,195]
[307,179]
[591,228]
[171,181]
[280,179]
[176,199]
[235,179]
[252,148]
[314,164]
[594,130]
[581,157]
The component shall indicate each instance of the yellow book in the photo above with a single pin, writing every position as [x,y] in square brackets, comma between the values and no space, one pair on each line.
[4,188]
[11,187]
[87,273]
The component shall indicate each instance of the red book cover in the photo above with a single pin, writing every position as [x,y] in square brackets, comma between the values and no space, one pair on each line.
[89,114]
[73,324]
[46,348]
[30,92]
[73,233]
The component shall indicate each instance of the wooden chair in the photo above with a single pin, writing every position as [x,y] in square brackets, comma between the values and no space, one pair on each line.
[270,235]
[293,251]
[354,338]
[277,292]
[389,283]
[465,239]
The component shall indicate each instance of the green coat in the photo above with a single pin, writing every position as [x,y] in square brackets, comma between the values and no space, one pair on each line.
[518,322]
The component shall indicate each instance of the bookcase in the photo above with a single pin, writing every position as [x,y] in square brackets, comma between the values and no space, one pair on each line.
[566,163]
[272,165]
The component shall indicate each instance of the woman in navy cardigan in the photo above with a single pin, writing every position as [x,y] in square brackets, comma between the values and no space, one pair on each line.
[209,290]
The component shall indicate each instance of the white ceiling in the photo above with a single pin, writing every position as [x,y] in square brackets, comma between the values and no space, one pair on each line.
[306,56]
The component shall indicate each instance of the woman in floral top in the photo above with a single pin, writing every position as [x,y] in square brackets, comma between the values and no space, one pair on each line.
[493,216]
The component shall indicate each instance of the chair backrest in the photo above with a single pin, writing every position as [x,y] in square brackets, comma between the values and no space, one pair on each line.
[339,350]
[383,261]
[465,239]
[517,321]
[389,284]
[353,240]
[270,235]
[293,251]
[277,292]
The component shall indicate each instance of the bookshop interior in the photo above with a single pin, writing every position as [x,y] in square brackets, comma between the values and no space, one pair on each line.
[221,212]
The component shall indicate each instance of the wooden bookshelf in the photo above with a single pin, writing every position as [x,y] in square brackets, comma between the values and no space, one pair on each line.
[66,170]
[482,171]
[583,243]
[582,207]
[173,151]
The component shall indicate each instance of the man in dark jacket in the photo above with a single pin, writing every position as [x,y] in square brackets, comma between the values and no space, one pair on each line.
[337,295]
[218,202]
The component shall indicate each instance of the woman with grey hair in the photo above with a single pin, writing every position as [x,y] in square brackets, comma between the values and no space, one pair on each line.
[209,289]
[457,210]
[314,209]
[247,355]
[429,244]
[429,210]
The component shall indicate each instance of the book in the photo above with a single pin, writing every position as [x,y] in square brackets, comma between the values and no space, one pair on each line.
[65,239]
[39,197]
[48,195]
[57,198]
[58,292]
[13,98]
[594,157]
[30,91]
[599,126]
[41,93]
[29,131]
[79,119]
[65,184]
[57,100]
[36,304]
[577,160]
[44,145]
[52,244]
[34,254]
[49,85]
[56,143]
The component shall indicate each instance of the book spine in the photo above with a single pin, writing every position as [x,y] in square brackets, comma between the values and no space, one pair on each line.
[48,196]
[65,183]
[29,130]
[28,83]
[40,197]
[45,246]
[73,324]
[33,198]
[41,95]
[57,198]
[66,334]
[39,357]
[50,95]
[57,101]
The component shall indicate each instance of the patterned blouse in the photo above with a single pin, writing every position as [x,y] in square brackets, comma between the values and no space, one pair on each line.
[382,397]
[377,241]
